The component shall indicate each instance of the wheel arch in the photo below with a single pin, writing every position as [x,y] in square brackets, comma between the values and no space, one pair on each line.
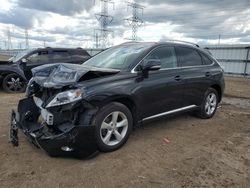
[3,77]
[218,89]
[123,99]
[3,74]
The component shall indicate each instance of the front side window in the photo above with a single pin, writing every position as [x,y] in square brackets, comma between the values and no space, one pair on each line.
[166,55]
[38,57]
[188,57]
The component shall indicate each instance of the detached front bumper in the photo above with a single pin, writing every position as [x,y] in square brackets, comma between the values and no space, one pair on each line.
[66,139]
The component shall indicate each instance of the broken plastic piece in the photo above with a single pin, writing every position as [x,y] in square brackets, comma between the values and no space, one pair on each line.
[166,140]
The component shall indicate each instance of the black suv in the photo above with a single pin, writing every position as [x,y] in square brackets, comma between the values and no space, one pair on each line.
[79,109]
[15,73]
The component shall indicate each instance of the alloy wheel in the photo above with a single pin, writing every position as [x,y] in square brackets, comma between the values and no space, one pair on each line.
[211,103]
[15,83]
[114,128]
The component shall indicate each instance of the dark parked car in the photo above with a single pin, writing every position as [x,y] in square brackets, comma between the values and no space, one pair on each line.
[15,74]
[79,109]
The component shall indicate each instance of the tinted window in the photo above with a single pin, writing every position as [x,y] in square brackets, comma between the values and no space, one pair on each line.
[38,57]
[60,55]
[79,58]
[166,55]
[80,52]
[206,60]
[188,57]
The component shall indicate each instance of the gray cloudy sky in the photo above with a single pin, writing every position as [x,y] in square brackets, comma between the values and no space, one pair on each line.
[72,22]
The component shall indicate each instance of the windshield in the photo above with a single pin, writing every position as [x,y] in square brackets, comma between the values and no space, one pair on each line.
[118,57]
[20,55]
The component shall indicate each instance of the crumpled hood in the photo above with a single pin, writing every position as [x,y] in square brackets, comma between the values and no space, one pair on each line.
[60,75]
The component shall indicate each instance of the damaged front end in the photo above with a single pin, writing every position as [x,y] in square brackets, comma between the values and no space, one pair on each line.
[56,119]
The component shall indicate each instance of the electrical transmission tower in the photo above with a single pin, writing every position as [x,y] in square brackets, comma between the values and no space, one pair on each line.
[135,21]
[26,39]
[9,44]
[104,19]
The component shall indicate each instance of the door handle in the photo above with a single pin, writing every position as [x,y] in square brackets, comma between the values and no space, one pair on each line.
[207,74]
[178,78]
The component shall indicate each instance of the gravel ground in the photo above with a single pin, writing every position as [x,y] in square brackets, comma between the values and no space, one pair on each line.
[201,153]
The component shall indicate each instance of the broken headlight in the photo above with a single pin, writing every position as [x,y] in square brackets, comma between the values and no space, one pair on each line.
[65,97]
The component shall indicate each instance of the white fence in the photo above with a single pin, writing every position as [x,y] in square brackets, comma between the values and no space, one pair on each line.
[235,59]
[10,52]
[91,51]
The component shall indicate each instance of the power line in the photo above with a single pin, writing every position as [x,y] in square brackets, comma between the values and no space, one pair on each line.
[104,19]
[219,40]
[9,44]
[135,21]
[26,39]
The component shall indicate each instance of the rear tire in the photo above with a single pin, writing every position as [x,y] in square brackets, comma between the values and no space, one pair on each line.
[209,104]
[13,83]
[113,123]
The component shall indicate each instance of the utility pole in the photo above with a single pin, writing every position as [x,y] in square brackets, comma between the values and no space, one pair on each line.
[26,39]
[104,19]
[44,43]
[9,46]
[135,21]
[96,40]
[219,39]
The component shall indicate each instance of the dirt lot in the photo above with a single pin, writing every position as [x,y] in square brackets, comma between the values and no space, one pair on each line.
[201,153]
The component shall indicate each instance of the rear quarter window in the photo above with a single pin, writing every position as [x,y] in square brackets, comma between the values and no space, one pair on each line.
[206,60]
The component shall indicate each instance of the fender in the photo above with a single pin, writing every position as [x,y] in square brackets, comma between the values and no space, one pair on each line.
[127,100]
[12,68]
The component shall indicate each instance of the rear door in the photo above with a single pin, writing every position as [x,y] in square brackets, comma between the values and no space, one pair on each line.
[161,91]
[79,56]
[194,74]
[61,56]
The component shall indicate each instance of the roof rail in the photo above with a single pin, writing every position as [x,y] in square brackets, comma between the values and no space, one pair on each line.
[184,42]
[129,42]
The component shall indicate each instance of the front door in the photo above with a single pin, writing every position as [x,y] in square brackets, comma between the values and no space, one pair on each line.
[161,90]
[33,60]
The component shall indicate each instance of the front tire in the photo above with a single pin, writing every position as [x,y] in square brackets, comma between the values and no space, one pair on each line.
[209,104]
[13,83]
[113,126]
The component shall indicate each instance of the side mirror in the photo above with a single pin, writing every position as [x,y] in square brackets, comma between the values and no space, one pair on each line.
[151,65]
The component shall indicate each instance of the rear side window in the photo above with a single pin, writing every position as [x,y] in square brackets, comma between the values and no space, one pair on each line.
[80,52]
[60,55]
[206,60]
[188,57]
[166,55]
